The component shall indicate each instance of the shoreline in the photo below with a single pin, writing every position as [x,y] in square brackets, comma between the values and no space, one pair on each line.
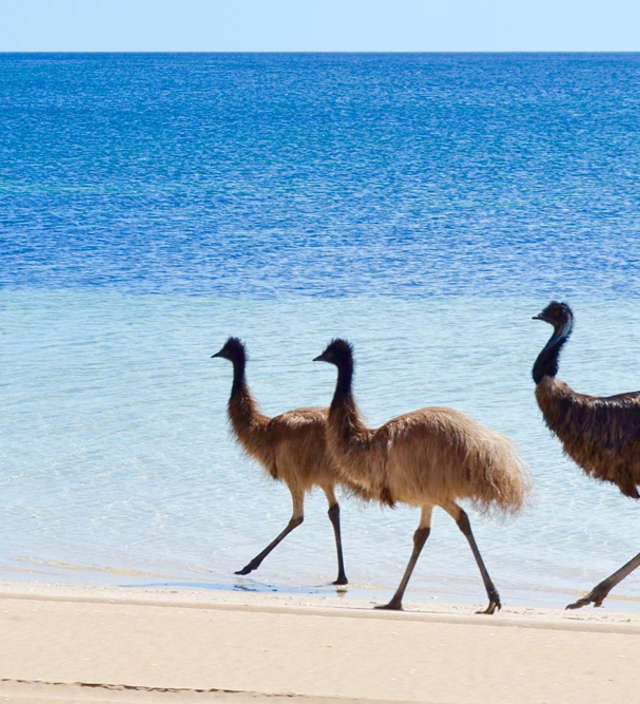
[75,643]
[426,591]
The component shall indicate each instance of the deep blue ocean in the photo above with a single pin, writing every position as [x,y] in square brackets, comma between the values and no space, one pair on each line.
[424,206]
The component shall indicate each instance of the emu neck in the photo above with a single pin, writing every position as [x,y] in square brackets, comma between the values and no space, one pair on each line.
[242,407]
[349,442]
[547,362]
[239,387]
[344,417]
[342,394]
[249,425]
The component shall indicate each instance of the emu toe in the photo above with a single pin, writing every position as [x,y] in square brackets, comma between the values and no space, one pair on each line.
[595,596]
[393,605]
[578,604]
[245,570]
[493,605]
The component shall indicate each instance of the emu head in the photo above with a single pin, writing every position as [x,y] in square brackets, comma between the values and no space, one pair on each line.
[233,350]
[338,352]
[557,314]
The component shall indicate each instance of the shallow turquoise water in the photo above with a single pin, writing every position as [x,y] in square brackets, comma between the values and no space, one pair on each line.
[119,466]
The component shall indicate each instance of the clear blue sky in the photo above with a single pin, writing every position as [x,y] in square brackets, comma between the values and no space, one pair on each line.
[319,25]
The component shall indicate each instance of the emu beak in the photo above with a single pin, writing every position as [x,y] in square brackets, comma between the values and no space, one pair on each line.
[320,358]
[217,354]
[537,317]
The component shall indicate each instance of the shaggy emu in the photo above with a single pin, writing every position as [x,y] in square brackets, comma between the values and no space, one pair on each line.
[602,434]
[290,446]
[430,457]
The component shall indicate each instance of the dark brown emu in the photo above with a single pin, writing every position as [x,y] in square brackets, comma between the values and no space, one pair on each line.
[430,457]
[600,433]
[290,446]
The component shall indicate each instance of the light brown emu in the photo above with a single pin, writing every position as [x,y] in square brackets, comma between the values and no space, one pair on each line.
[430,457]
[601,434]
[291,447]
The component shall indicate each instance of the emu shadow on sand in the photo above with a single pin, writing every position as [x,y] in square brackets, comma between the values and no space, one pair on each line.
[290,446]
[600,433]
[430,457]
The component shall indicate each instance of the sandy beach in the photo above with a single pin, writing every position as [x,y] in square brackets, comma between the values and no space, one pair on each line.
[104,644]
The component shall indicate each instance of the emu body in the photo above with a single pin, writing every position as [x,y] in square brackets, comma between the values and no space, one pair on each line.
[600,433]
[290,446]
[430,457]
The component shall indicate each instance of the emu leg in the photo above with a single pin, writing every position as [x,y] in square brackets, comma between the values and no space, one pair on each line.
[334,517]
[419,539]
[297,497]
[462,520]
[598,594]
[255,563]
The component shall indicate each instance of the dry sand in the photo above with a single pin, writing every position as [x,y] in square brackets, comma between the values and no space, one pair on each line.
[93,644]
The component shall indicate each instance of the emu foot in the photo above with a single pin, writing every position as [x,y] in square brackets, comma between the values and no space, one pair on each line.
[342,579]
[597,595]
[244,570]
[393,605]
[248,568]
[494,604]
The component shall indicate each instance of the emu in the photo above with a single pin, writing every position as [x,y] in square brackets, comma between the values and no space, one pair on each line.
[290,446]
[430,457]
[601,434]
